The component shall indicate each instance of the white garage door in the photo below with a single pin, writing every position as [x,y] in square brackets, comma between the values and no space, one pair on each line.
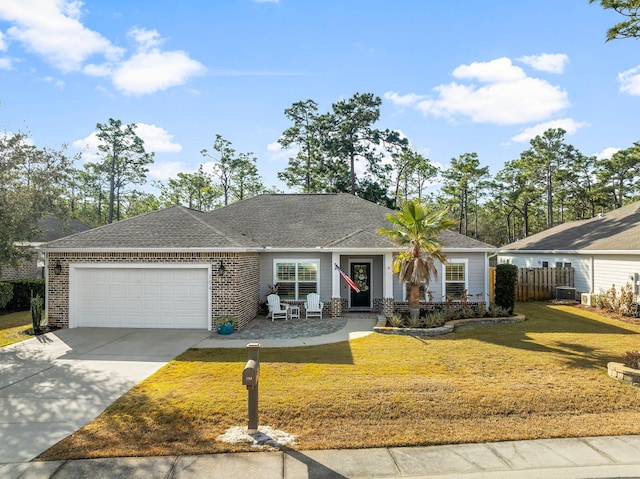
[139,297]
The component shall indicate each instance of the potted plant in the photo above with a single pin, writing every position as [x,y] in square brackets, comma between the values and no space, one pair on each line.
[225,324]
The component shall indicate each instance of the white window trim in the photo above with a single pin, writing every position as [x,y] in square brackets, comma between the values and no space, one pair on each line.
[465,261]
[297,260]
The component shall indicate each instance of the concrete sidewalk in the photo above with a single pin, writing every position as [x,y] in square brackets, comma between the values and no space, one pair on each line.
[596,457]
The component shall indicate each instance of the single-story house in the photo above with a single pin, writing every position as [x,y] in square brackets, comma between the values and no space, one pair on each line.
[48,229]
[603,251]
[181,268]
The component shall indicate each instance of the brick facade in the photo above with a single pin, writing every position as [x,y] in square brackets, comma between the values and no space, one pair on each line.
[236,292]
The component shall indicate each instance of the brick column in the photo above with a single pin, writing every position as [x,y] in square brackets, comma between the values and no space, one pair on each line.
[336,307]
[387,307]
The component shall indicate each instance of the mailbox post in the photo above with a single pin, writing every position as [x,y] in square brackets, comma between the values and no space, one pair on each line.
[250,376]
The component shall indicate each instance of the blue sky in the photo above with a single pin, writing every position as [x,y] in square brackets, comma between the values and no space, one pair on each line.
[455,77]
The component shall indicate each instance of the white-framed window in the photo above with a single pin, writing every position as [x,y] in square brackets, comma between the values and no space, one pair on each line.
[296,278]
[455,278]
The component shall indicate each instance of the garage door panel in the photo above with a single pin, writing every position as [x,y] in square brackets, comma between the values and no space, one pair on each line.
[156,297]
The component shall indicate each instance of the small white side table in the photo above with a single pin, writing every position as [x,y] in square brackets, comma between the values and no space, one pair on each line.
[294,312]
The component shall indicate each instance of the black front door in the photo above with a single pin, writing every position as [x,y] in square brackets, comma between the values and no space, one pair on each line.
[361,275]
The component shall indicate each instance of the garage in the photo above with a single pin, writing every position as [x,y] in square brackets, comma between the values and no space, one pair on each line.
[139,296]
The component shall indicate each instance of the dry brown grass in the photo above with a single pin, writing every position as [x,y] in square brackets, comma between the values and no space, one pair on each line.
[545,377]
[12,327]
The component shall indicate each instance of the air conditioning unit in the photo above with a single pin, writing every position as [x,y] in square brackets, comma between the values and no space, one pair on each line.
[566,292]
[586,299]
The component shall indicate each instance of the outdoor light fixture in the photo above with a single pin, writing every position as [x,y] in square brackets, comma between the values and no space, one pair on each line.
[57,269]
[221,269]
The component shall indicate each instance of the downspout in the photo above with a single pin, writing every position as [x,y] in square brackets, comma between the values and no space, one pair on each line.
[487,257]
[593,276]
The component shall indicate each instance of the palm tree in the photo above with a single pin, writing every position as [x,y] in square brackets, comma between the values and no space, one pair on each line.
[417,230]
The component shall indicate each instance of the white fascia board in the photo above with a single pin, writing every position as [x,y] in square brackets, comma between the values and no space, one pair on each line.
[586,252]
[469,250]
[331,250]
[152,250]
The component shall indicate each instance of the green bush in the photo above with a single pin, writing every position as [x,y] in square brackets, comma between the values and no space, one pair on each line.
[36,312]
[506,281]
[6,293]
[23,289]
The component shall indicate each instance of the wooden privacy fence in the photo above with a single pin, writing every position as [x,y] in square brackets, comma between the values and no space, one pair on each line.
[535,284]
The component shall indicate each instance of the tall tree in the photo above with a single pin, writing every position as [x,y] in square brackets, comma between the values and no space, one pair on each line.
[32,182]
[194,190]
[124,160]
[551,157]
[417,231]
[464,181]
[353,138]
[413,174]
[305,170]
[238,173]
[629,28]
[618,175]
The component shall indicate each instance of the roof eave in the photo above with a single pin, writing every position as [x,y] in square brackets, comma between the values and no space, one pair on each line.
[569,251]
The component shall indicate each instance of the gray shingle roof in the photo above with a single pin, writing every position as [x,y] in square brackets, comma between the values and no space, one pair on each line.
[50,228]
[289,221]
[618,230]
[174,227]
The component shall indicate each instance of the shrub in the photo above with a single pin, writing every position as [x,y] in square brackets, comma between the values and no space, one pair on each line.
[623,303]
[631,359]
[506,280]
[395,321]
[414,322]
[498,312]
[435,319]
[6,293]
[36,312]
[23,289]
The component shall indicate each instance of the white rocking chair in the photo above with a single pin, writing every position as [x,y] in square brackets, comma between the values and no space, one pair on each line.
[277,310]
[313,306]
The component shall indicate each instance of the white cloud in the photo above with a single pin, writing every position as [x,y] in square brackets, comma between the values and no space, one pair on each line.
[156,140]
[276,153]
[500,70]
[5,64]
[59,83]
[150,69]
[402,100]
[546,62]
[3,44]
[569,125]
[630,81]
[146,39]
[607,153]
[51,29]
[164,170]
[507,95]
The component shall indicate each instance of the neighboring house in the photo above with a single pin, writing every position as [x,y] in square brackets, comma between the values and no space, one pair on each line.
[49,228]
[603,251]
[180,268]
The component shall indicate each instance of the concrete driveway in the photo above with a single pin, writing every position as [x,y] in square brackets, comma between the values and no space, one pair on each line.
[52,385]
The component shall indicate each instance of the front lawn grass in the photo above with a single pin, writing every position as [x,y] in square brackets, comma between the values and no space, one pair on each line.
[12,327]
[542,378]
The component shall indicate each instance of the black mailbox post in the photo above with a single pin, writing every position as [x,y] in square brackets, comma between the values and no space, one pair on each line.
[250,376]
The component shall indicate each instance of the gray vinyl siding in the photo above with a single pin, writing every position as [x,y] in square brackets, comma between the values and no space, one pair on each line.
[476,274]
[266,271]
